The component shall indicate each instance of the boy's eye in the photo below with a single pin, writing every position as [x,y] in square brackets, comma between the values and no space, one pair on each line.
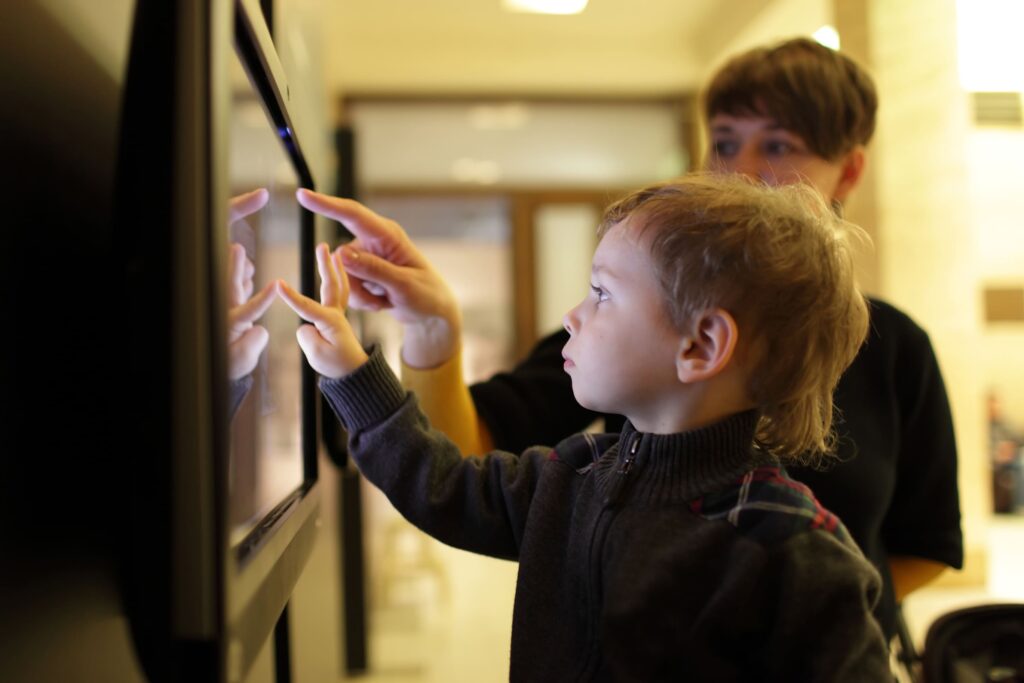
[599,293]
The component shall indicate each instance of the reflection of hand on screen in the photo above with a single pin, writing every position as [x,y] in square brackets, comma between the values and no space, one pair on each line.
[330,345]
[246,340]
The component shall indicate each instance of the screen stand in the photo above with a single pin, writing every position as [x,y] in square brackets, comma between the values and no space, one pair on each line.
[282,649]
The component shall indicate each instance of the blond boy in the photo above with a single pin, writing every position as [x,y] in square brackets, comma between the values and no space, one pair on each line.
[721,315]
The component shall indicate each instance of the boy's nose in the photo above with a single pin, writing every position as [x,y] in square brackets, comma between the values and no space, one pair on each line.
[569,321]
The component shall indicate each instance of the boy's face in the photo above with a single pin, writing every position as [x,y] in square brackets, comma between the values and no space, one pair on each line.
[758,147]
[622,347]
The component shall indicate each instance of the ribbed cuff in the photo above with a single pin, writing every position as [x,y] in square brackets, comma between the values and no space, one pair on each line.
[367,396]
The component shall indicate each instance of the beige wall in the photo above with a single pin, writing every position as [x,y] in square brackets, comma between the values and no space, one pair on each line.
[995,164]
[946,217]
[926,252]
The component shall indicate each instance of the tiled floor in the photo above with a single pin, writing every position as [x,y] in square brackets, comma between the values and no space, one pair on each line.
[440,614]
[437,614]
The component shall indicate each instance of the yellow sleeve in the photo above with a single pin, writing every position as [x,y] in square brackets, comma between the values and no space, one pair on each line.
[444,396]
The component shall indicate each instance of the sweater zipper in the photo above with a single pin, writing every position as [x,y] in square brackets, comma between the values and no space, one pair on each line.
[620,474]
[597,539]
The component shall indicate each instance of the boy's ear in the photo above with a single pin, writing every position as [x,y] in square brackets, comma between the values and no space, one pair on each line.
[850,173]
[709,348]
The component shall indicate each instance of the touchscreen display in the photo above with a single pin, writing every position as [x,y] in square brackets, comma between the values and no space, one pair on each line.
[264,360]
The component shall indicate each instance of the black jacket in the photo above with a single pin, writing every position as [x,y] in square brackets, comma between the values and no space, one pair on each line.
[895,485]
[676,557]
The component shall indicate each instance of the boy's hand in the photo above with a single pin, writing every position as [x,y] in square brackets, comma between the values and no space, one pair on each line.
[389,272]
[329,343]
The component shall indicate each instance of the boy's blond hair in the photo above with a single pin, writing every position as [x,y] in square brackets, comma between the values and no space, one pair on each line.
[780,262]
[823,96]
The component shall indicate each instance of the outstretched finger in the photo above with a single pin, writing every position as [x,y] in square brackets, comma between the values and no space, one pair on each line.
[380,275]
[245,204]
[304,307]
[360,221]
[338,208]
[254,308]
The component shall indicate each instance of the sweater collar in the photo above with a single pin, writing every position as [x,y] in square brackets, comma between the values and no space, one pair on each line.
[680,467]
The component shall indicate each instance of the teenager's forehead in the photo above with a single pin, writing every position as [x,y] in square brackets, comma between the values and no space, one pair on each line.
[723,122]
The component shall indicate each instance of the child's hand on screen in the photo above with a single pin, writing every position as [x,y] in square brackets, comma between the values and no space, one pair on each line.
[389,273]
[246,340]
[329,343]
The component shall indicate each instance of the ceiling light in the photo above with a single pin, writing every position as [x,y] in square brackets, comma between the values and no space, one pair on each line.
[827,36]
[509,116]
[478,171]
[545,6]
[989,49]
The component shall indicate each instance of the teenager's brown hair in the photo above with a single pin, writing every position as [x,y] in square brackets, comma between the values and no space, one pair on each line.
[818,93]
[781,263]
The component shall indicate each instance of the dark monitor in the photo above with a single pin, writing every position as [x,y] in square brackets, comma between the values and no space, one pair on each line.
[223,422]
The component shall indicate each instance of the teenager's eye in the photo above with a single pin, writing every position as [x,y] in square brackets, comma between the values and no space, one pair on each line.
[724,148]
[778,148]
[599,293]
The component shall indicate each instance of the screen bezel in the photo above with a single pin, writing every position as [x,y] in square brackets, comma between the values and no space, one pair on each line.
[199,608]
[261,571]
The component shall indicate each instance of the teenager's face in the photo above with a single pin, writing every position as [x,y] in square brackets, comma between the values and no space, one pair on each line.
[758,147]
[621,350]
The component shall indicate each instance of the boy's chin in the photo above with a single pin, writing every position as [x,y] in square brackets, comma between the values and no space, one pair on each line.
[582,399]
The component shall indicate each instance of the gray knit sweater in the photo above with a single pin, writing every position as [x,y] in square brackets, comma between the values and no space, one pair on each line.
[642,557]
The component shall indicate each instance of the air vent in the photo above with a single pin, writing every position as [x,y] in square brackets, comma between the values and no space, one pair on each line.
[998,109]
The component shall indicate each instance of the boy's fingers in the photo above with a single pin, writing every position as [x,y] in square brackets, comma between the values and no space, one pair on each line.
[316,349]
[308,339]
[304,307]
[330,285]
[343,283]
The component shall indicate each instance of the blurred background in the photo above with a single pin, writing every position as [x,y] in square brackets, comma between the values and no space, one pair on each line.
[496,137]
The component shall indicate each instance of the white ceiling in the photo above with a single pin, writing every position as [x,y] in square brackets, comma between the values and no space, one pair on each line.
[614,48]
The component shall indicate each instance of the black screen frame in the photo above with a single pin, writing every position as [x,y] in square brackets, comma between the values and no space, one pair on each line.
[200,609]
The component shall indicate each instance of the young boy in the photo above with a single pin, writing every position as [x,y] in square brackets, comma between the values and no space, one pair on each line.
[720,318]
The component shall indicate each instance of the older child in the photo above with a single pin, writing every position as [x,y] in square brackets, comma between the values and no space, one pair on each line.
[720,318]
